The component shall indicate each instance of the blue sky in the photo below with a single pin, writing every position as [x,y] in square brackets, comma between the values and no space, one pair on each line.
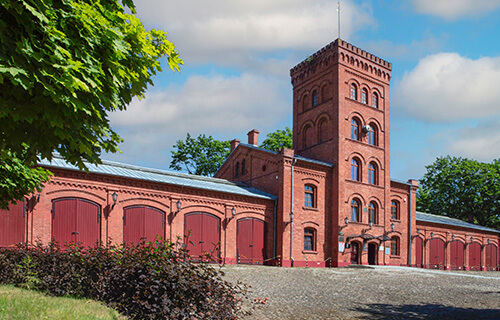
[445,86]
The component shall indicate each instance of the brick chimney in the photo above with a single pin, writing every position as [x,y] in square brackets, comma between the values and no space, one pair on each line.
[253,137]
[234,143]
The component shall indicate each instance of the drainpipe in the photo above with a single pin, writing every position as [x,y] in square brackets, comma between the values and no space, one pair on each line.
[291,215]
[275,227]
[409,231]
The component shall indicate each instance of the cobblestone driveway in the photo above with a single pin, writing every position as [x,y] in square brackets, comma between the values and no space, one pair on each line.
[370,293]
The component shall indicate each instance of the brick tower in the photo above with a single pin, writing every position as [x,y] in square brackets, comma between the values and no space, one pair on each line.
[341,116]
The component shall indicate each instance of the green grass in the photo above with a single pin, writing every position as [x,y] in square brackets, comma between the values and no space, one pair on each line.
[21,304]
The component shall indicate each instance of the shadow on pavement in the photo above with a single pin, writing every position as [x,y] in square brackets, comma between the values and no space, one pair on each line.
[427,311]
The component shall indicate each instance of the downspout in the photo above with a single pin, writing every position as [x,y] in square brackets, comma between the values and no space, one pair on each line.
[275,228]
[409,229]
[291,216]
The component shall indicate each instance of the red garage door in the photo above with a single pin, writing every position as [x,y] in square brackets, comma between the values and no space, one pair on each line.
[75,220]
[250,241]
[143,223]
[419,252]
[202,234]
[12,224]
[474,256]
[457,255]
[436,254]
[491,262]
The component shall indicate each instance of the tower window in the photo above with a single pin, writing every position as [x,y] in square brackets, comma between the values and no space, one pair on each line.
[354,92]
[372,173]
[309,196]
[372,135]
[309,239]
[354,210]
[354,129]
[375,100]
[355,170]
[315,98]
[364,96]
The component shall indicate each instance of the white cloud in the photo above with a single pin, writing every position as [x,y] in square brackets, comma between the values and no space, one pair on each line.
[478,142]
[447,87]
[408,51]
[454,9]
[222,30]
[226,107]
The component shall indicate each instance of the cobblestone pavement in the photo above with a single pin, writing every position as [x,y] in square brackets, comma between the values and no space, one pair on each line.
[369,293]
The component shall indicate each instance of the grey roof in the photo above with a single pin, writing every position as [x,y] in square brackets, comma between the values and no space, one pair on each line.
[163,176]
[432,218]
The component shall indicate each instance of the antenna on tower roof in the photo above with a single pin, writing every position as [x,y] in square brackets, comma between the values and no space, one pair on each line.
[338,14]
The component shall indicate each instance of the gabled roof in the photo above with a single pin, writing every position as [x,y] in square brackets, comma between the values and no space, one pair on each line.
[162,176]
[432,218]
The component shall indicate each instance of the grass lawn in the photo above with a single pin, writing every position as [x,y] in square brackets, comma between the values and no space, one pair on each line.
[20,304]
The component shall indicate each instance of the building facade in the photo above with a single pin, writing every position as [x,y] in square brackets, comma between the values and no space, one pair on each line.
[328,202]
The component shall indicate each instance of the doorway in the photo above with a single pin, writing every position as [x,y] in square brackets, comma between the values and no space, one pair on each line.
[372,253]
[354,252]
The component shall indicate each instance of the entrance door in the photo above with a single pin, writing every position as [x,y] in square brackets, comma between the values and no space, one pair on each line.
[202,235]
[436,254]
[372,253]
[143,223]
[250,241]
[419,252]
[355,252]
[474,256]
[76,220]
[12,225]
[457,255]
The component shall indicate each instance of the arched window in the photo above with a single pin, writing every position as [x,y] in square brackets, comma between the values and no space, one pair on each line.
[375,100]
[355,170]
[372,135]
[315,98]
[355,210]
[372,213]
[309,239]
[237,170]
[354,92]
[307,139]
[354,129]
[372,173]
[305,103]
[364,96]
[310,196]
[395,210]
[394,246]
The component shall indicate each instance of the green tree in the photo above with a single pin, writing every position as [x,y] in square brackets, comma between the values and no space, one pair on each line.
[464,189]
[202,156]
[64,66]
[278,139]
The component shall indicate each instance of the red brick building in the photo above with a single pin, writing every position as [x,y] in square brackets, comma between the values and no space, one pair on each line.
[328,202]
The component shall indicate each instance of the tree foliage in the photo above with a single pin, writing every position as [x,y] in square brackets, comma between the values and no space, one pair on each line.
[64,66]
[202,155]
[464,189]
[278,139]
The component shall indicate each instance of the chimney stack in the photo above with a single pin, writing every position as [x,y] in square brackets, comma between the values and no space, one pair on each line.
[253,137]
[234,144]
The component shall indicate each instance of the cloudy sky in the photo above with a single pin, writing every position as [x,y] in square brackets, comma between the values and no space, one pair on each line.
[445,87]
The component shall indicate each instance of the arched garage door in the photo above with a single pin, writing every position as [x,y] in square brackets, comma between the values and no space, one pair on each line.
[491,257]
[250,241]
[474,256]
[436,254]
[143,223]
[13,224]
[419,252]
[202,234]
[457,255]
[76,220]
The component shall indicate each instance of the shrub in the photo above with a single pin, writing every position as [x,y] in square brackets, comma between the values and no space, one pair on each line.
[146,281]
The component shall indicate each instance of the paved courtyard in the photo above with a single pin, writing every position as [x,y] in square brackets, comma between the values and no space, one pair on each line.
[370,293]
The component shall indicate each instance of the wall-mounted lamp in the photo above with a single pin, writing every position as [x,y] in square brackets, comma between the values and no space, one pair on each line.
[488,241]
[452,237]
[178,205]
[471,239]
[418,230]
[233,212]
[114,196]
[392,226]
[346,222]
[432,235]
